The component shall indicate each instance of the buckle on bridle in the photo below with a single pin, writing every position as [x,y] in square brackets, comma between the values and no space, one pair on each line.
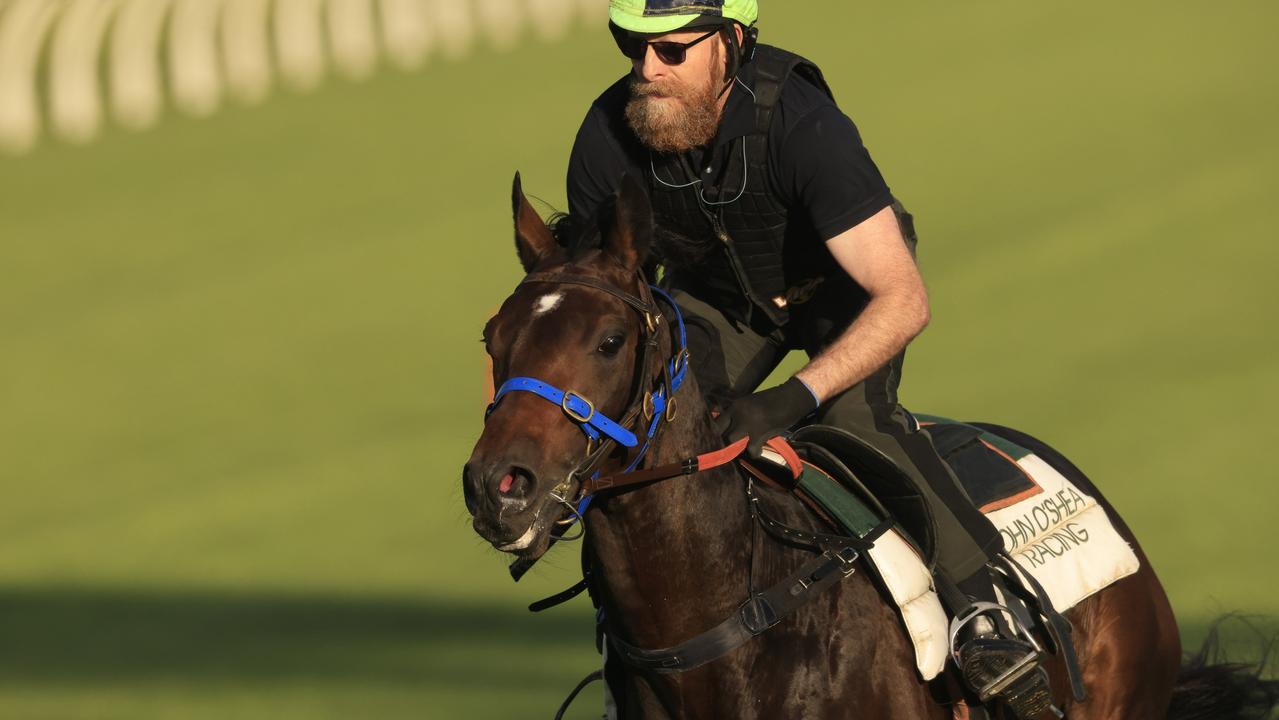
[681,359]
[652,321]
[576,416]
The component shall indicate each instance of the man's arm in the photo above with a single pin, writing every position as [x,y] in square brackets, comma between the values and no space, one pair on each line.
[875,255]
[829,173]
[825,169]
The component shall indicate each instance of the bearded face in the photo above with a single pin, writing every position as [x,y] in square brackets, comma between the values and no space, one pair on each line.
[675,114]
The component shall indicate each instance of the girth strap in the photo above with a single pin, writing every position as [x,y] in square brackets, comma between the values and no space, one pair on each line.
[757,614]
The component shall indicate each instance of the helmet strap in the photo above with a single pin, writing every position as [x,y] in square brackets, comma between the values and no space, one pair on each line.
[738,53]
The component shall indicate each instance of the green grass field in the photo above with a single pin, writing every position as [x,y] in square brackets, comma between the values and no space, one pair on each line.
[239,371]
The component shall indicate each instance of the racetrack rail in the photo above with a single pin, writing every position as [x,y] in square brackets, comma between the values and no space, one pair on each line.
[66,64]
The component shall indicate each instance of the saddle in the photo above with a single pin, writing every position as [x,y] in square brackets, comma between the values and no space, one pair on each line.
[1060,544]
[876,481]
[987,465]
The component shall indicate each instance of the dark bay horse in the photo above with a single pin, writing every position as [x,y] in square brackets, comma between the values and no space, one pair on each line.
[671,559]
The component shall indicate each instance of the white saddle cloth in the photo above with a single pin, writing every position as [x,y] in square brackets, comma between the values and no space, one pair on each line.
[1057,534]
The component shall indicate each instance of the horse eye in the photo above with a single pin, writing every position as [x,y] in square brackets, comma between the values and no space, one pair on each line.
[612,344]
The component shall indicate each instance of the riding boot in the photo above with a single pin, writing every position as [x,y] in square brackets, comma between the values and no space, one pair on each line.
[996,661]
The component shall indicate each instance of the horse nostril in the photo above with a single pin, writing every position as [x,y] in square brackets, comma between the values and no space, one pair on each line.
[508,481]
[469,494]
[516,483]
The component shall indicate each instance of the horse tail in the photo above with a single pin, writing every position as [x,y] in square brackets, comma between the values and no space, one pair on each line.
[1210,688]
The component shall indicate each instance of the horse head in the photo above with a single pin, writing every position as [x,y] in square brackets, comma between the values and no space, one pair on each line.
[569,349]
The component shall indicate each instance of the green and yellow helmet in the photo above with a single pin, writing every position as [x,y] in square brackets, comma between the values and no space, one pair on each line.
[652,17]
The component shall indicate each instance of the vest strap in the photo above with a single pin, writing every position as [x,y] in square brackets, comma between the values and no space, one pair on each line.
[747,275]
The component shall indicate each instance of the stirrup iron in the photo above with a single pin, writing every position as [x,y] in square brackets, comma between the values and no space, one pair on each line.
[1022,684]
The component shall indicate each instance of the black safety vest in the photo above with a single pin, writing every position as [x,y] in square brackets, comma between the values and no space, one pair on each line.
[759,266]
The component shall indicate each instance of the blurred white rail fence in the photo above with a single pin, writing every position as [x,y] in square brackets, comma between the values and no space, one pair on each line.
[66,64]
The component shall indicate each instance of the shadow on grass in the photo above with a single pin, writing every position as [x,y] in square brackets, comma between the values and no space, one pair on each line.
[63,637]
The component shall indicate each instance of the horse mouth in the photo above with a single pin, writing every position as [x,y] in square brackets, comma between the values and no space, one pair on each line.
[535,540]
[524,541]
[517,526]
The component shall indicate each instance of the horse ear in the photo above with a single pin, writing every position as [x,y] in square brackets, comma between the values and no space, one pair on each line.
[632,232]
[533,240]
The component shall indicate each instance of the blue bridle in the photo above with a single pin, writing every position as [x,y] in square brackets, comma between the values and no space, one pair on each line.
[656,405]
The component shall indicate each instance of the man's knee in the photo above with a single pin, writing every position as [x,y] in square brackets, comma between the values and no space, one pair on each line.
[954,532]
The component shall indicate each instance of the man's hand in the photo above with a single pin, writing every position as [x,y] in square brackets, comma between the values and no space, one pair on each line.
[766,414]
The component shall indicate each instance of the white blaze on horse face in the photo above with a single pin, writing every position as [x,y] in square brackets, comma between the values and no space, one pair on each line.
[547,303]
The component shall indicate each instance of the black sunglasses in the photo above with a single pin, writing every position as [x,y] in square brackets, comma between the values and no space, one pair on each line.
[636,47]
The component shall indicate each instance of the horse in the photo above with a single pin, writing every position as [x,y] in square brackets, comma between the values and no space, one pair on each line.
[669,559]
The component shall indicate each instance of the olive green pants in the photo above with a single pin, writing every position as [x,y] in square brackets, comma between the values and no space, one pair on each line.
[731,360]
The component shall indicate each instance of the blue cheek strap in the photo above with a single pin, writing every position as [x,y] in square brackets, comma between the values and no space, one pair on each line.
[677,366]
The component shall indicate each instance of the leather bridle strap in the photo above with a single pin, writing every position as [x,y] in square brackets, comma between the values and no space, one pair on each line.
[560,597]
[574,279]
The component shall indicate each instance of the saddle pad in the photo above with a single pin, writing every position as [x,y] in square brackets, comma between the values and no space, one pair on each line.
[1063,537]
[1055,532]
[1059,535]
[985,463]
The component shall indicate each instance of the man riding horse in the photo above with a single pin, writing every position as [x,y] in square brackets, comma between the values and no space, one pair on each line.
[778,232]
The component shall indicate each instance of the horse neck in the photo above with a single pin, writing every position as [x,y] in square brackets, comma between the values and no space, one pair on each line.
[663,552]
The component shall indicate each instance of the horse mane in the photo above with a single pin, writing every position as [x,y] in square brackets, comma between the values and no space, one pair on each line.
[673,250]
[577,235]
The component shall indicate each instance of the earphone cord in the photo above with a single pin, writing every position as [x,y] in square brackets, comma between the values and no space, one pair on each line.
[701,195]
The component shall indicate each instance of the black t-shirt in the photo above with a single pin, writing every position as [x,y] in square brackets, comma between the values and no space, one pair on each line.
[818,162]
